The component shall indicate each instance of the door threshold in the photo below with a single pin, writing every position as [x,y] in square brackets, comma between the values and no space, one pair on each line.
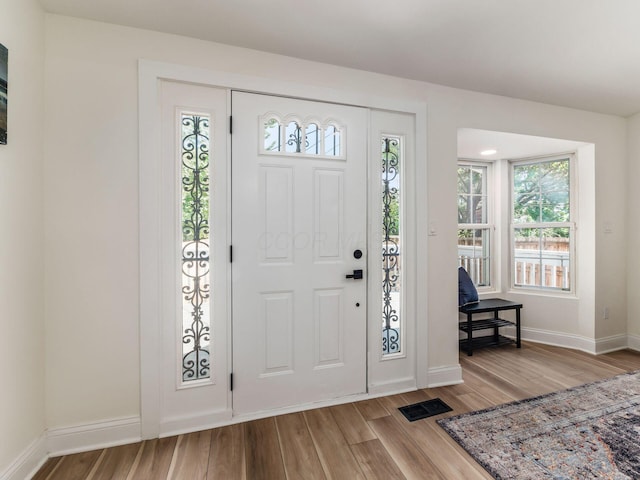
[246,417]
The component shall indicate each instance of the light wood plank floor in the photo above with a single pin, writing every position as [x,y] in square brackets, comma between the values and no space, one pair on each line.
[363,440]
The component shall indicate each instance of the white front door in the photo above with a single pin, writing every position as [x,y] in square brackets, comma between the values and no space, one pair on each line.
[299,219]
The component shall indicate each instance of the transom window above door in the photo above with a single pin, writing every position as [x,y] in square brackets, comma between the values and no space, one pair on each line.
[291,135]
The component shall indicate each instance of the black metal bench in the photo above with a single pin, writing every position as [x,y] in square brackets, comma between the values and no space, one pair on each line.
[489,305]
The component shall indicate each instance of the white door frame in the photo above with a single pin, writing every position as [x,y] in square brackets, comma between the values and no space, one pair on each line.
[149,74]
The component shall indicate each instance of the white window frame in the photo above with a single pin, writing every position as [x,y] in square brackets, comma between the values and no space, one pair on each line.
[490,224]
[572,225]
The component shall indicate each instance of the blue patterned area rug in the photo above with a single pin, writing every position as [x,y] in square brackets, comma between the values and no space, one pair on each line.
[590,431]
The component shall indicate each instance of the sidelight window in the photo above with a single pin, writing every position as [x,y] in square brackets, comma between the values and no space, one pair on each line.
[195,290]
[392,320]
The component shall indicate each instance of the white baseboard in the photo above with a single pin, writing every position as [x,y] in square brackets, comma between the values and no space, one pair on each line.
[611,344]
[576,342]
[443,376]
[28,462]
[633,342]
[557,339]
[93,436]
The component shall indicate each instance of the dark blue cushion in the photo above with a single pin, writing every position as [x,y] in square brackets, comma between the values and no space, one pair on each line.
[467,292]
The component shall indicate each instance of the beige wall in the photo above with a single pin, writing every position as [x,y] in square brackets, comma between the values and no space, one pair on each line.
[91,198]
[21,285]
[633,224]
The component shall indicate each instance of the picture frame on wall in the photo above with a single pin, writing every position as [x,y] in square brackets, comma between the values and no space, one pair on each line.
[4,82]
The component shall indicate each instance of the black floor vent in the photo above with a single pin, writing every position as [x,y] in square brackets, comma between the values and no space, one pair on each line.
[425,409]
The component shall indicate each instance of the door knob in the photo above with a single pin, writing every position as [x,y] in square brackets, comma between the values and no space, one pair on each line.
[357,275]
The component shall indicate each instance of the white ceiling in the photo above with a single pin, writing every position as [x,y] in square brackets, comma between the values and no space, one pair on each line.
[576,53]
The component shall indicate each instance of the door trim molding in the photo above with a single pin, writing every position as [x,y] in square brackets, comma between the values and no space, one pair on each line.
[149,74]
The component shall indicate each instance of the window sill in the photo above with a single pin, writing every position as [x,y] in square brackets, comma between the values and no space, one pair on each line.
[488,292]
[543,293]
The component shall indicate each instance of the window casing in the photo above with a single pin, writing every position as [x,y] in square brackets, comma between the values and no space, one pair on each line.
[475,222]
[542,224]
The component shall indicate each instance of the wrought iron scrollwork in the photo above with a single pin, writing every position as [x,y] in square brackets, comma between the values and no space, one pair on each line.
[295,139]
[195,250]
[390,248]
[390,340]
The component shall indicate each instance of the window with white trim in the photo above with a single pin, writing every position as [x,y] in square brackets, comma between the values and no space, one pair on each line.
[475,227]
[542,229]
[392,232]
[195,291]
[538,208]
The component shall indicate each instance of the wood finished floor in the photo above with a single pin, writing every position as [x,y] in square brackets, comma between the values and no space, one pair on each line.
[362,440]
